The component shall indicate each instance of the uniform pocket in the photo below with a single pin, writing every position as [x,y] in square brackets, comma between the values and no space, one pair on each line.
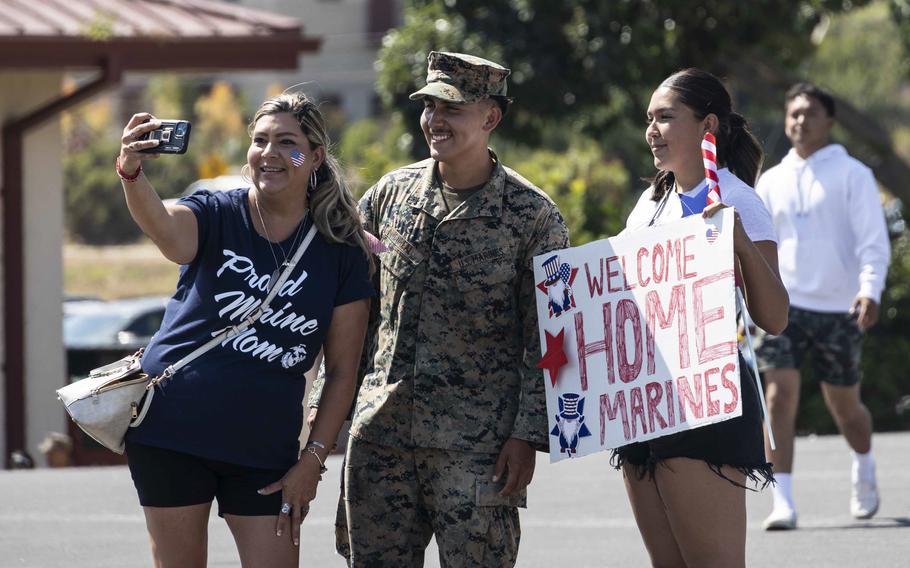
[397,268]
[487,495]
[402,257]
[399,265]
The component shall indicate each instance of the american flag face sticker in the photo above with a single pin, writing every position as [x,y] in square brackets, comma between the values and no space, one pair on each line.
[297,158]
[711,235]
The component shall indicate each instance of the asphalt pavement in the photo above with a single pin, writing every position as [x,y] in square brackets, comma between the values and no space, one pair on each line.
[578,516]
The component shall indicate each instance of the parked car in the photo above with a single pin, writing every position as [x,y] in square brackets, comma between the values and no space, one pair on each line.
[226,182]
[118,324]
[96,333]
[79,298]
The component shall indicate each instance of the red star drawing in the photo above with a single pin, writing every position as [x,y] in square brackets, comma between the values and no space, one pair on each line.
[555,357]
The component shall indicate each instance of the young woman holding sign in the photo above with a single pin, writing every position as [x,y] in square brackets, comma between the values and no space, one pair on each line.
[687,490]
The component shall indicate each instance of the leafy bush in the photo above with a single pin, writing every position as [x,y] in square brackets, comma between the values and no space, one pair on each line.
[370,148]
[589,188]
[96,212]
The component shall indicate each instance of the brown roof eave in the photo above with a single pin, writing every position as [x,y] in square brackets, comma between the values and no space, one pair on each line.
[152,54]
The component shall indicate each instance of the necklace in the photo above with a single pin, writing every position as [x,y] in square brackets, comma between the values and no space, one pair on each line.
[268,238]
[660,207]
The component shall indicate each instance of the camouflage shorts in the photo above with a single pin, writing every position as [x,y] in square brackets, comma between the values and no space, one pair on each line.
[833,341]
[397,499]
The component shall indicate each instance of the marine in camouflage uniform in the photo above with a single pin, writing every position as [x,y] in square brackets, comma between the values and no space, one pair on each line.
[453,378]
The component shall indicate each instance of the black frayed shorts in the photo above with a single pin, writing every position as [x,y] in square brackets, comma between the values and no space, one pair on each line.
[737,443]
[167,478]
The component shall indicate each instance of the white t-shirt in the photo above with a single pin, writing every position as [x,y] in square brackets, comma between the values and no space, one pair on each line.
[733,192]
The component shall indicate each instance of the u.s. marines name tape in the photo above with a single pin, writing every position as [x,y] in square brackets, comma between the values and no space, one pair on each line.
[638,335]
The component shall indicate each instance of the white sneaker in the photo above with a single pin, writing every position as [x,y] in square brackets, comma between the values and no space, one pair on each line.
[780,519]
[864,499]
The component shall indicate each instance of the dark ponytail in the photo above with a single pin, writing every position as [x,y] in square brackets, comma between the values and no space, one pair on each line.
[737,147]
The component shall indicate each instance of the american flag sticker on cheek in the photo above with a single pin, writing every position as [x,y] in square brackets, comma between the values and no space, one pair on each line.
[712,234]
[297,158]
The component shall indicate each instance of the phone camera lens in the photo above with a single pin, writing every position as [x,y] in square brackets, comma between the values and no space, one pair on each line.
[181,129]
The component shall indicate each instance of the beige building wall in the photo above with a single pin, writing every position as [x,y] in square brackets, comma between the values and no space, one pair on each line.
[43,232]
[343,69]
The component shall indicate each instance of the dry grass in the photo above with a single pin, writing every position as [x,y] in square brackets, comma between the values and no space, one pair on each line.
[112,272]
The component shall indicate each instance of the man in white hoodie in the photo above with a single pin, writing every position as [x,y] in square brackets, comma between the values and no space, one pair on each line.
[833,256]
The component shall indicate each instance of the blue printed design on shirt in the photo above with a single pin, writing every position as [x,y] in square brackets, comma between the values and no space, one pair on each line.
[694,204]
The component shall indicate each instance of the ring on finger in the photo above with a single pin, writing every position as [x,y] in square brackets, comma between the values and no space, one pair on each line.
[285,508]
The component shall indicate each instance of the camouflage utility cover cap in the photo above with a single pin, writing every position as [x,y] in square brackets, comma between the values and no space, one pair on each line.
[462,78]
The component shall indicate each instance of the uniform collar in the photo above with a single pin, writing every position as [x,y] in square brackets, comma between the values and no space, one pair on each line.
[485,203]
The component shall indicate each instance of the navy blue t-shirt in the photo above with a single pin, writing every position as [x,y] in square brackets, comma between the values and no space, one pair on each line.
[241,401]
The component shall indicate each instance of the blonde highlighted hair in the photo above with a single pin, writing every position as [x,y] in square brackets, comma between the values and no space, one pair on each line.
[332,206]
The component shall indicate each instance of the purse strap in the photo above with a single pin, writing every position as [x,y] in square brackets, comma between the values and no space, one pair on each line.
[233,330]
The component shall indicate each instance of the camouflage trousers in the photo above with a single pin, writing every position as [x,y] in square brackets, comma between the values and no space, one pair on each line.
[397,499]
[832,341]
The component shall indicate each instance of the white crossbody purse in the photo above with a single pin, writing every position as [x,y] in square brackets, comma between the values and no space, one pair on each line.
[117,397]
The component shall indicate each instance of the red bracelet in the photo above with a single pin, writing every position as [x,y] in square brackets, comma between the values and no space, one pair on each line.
[125,176]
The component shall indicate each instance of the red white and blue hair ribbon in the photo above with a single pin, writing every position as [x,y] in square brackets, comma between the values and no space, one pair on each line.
[709,157]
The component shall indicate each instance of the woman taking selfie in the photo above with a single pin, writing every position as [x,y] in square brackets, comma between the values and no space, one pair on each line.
[687,490]
[225,427]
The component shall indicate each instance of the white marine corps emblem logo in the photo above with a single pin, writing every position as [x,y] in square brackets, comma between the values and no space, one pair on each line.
[294,356]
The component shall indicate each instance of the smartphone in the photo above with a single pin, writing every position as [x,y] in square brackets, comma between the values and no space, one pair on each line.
[174,136]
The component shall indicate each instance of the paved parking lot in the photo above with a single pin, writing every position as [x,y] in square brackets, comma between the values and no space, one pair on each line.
[578,516]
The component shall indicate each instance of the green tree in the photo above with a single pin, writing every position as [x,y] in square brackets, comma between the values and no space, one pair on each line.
[96,212]
[370,148]
[589,190]
[590,63]
[220,134]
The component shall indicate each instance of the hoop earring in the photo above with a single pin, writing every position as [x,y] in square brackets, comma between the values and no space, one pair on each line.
[245,174]
[314,181]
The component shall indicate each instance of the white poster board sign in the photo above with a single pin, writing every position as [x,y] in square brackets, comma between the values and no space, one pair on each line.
[638,335]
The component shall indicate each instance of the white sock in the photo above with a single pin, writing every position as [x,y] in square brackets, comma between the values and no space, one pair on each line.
[863,467]
[782,491]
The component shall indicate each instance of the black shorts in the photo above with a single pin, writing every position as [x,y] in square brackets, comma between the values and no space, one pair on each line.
[165,478]
[737,443]
[833,342]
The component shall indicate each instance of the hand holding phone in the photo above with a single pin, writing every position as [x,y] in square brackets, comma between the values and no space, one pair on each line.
[173,137]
